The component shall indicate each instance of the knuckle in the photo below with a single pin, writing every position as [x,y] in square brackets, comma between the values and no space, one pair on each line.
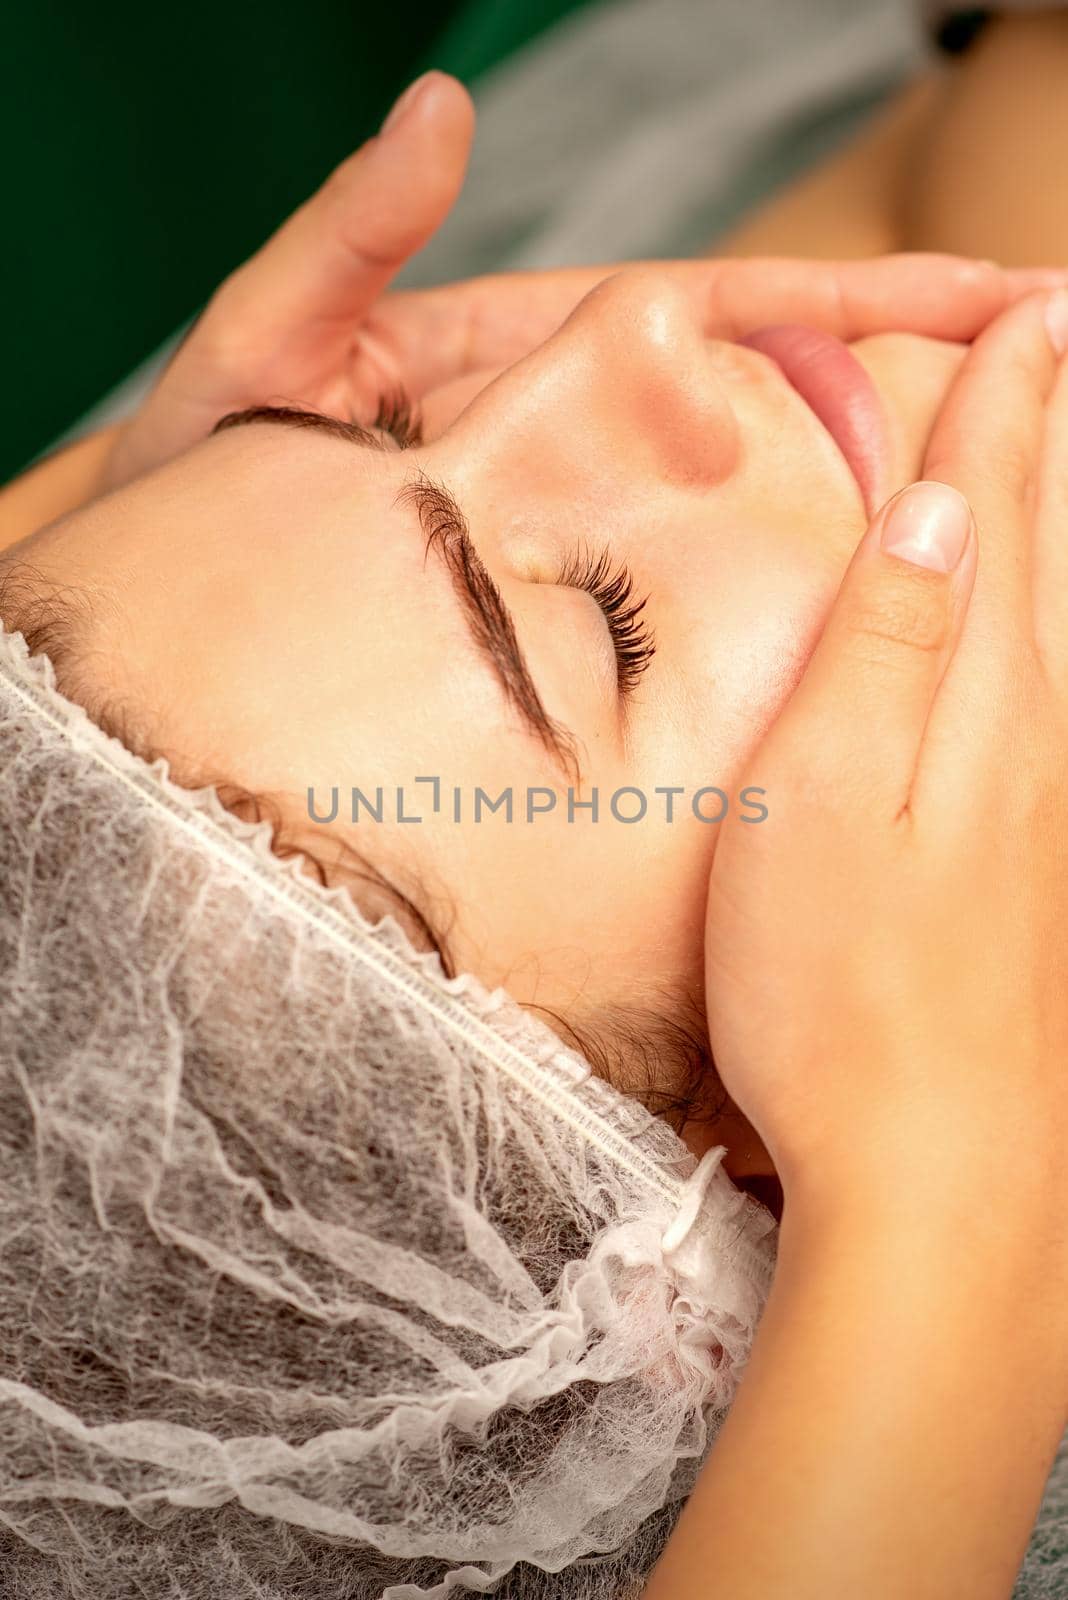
[997,441]
[1007,468]
[1021,351]
[223,331]
[909,612]
[1011,467]
[1015,346]
[337,185]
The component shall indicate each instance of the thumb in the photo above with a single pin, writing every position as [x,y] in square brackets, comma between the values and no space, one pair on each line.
[861,708]
[333,257]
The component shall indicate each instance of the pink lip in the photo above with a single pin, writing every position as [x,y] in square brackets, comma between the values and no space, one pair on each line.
[832,382]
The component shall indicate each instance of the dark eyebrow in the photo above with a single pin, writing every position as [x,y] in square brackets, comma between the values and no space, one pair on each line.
[295,417]
[446,532]
[492,627]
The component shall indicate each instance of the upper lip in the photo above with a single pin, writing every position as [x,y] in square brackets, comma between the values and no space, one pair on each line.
[834,385]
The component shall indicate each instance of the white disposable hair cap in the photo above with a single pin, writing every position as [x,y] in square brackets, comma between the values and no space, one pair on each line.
[320,1273]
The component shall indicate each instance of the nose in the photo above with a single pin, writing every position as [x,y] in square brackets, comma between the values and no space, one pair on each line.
[630,381]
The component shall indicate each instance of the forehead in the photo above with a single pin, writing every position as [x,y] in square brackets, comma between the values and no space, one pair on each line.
[269,595]
[252,507]
[270,525]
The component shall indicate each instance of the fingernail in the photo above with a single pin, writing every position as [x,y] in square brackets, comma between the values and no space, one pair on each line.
[406,102]
[1057,320]
[928,524]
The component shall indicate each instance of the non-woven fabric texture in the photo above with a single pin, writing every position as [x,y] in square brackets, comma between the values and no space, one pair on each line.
[1044,1573]
[320,1274]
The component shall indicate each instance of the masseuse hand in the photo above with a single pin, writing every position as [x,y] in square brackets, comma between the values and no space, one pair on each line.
[305,321]
[888,952]
[887,964]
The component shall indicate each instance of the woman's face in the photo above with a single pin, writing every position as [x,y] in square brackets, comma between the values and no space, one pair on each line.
[268,606]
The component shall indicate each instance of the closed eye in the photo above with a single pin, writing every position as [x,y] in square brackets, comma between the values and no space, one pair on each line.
[613,589]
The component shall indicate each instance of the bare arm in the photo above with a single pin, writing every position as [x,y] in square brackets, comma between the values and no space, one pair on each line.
[969,158]
[897,1420]
[56,485]
[991,178]
[853,203]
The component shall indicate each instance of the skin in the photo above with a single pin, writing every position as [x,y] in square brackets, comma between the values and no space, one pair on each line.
[715,441]
[890,968]
[304,320]
[967,157]
[955,1430]
[339,654]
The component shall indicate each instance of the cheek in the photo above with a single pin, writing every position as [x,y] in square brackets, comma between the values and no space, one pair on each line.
[770,659]
[566,914]
[743,657]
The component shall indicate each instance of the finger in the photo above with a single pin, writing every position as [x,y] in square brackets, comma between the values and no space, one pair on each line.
[944,297]
[857,718]
[1050,594]
[987,441]
[327,264]
[1025,280]
[431,336]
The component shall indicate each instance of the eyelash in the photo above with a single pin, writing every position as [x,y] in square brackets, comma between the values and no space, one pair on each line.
[612,588]
[398,418]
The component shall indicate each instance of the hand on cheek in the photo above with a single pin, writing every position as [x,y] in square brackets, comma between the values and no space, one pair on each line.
[886,953]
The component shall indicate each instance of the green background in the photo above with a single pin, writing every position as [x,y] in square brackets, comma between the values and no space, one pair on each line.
[149,149]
